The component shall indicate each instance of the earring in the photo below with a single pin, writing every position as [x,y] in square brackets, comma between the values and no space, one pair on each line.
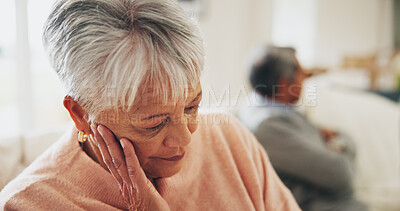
[82,137]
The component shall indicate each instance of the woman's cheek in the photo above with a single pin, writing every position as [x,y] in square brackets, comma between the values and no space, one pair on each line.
[149,146]
[144,151]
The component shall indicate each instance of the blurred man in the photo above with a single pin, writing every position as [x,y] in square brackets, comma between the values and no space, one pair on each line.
[316,164]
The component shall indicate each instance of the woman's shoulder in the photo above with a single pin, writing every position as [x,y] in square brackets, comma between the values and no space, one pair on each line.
[41,169]
[224,129]
[35,175]
[63,174]
[52,193]
[224,123]
[28,191]
[234,156]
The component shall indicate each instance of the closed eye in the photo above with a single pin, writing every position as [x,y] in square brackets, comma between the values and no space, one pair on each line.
[159,126]
[192,109]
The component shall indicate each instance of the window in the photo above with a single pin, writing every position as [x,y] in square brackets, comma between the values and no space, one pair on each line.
[31,94]
[8,72]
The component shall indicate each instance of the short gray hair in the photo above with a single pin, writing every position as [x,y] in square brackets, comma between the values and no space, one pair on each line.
[106,50]
[269,65]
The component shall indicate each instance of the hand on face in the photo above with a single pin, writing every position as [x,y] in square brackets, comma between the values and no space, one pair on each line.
[124,166]
[160,133]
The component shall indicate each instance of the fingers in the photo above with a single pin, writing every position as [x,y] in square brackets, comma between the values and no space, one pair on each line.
[125,168]
[122,164]
[105,154]
[134,169]
[116,162]
[115,151]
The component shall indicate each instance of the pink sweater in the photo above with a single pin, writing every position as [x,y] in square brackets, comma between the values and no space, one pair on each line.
[225,169]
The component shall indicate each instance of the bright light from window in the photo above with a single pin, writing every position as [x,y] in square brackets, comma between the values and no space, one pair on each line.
[31,95]
[8,78]
[47,92]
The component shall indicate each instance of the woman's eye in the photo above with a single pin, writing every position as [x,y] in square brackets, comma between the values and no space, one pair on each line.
[192,109]
[159,126]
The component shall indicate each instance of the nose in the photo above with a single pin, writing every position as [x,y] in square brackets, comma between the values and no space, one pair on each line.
[179,134]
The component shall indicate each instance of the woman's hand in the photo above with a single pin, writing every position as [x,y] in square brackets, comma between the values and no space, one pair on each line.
[124,166]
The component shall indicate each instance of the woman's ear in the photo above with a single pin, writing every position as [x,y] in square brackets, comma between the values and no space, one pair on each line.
[78,115]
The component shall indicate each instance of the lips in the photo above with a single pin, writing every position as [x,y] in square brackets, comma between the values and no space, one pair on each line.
[174,158]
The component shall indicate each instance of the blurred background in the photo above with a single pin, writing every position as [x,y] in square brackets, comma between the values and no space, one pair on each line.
[351,47]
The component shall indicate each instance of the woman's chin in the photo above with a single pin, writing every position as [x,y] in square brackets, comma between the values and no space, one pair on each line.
[162,170]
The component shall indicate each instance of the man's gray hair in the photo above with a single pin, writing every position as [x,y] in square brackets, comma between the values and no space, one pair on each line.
[108,50]
[269,65]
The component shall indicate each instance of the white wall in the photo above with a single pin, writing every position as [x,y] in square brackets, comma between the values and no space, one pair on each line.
[294,24]
[323,31]
[353,27]
[230,29]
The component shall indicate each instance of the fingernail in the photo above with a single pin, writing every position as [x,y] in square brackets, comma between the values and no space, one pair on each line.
[100,129]
[122,143]
[92,128]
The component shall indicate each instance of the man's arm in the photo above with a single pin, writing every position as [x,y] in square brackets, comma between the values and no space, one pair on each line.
[339,142]
[291,151]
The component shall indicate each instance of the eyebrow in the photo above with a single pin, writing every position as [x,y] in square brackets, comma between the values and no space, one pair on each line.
[165,114]
[196,98]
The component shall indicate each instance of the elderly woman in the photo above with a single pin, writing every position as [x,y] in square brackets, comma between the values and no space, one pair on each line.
[131,72]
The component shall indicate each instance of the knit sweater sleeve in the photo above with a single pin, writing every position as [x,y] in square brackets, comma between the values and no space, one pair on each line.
[53,194]
[39,196]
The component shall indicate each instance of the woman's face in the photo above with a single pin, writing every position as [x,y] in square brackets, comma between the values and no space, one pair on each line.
[159,132]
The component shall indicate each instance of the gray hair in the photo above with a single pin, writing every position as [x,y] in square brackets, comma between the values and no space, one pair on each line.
[269,65]
[108,50]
